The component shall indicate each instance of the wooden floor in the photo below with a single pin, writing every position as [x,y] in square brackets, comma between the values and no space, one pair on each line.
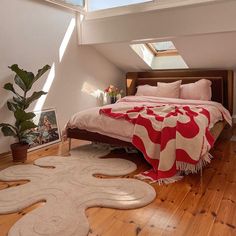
[188,207]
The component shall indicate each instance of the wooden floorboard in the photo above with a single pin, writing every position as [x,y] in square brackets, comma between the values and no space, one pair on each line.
[188,207]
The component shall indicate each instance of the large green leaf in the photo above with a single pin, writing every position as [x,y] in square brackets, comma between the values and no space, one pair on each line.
[6,124]
[41,72]
[12,106]
[27,125]
[8,131]
[20,83]
[20,102]
[24,79]
[9,87]
[34,96]
[21,115]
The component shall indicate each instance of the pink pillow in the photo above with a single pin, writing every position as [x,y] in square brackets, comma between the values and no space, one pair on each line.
[146,90]
[200,90]
[169,90]
[166,90]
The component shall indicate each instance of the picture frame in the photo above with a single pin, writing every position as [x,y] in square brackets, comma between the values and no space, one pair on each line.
[47,131]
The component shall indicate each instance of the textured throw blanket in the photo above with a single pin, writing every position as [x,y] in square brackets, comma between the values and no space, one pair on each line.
[172,138]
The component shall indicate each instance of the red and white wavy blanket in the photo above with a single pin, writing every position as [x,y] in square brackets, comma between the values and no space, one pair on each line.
[171,137]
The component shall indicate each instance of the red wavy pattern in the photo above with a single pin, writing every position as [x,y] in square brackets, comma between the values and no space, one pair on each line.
[187,121]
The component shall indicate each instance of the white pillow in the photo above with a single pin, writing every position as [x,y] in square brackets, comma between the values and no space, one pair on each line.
[168,90]
[146,90]
[200,90]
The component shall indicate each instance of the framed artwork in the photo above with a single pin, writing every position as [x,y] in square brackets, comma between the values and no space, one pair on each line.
[47,131]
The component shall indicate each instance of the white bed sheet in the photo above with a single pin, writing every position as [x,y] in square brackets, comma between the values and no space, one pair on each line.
[91,120]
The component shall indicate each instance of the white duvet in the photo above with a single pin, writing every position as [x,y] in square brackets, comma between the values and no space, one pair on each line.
[91,120]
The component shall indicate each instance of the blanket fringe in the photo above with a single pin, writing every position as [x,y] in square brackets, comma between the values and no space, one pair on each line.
[160,181]
[183,167]
[170,180]
[188,168]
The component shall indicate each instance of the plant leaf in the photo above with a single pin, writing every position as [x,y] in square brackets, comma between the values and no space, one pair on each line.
[20,102]
[26,125]
[24,79]
[34,96]
[21,115]
[12,106]
[20,83]
[6,124]
[9,87]
[8,131]
[41,72]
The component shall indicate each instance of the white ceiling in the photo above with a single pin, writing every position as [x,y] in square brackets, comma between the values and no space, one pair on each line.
[209,51]
[123,56]
[198,51]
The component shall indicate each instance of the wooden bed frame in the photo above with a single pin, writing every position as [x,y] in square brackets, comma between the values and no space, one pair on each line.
[222,91]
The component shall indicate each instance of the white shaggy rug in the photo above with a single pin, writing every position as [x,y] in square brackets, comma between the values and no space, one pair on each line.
[68,190]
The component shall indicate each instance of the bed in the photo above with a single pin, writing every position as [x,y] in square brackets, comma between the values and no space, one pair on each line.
[222,92]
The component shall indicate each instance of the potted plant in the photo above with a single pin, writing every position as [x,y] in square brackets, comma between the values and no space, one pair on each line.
[113,92]
[23,124]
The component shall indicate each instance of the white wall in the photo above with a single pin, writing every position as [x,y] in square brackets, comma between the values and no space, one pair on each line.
[31,32]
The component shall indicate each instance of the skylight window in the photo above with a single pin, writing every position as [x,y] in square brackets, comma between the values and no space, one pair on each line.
[94,5]
[163,48]
[80,3]
[160,56]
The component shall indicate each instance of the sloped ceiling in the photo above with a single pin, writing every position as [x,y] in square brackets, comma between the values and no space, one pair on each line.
[204,35]
[209,51]
[123,56]
[198,51]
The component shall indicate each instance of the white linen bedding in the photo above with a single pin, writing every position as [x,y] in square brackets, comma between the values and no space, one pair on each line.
[91,120]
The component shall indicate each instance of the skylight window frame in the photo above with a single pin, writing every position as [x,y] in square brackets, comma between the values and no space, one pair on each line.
[119,8]
[157,53]
[129,9]
[80,9]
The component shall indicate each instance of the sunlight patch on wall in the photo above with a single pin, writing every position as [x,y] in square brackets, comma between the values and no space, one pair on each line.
[143,52]
[66,39]
[93,91]
[81,17]
[46,88]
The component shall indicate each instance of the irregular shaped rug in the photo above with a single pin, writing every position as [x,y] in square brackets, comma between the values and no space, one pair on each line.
[68,189]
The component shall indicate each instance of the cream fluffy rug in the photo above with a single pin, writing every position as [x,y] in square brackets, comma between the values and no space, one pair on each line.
[68,190]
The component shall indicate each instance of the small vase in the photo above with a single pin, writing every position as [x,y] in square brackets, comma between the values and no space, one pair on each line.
[113,99]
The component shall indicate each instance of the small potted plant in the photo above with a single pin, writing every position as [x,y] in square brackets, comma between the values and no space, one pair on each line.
[113,93]
[23,124]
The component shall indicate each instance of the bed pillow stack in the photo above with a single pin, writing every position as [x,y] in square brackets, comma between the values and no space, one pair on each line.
[165,90]
[200,90]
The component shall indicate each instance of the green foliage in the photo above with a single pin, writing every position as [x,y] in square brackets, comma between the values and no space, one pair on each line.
[19,103]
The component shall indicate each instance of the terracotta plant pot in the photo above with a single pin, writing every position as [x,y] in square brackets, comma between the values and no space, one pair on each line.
[19,152]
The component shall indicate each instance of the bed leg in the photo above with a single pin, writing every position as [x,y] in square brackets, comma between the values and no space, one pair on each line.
[69,145]
[201,180]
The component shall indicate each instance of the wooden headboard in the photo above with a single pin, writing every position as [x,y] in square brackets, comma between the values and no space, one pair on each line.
[222,81]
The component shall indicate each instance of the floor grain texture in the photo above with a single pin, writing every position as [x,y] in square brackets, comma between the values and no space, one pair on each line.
[192,206]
